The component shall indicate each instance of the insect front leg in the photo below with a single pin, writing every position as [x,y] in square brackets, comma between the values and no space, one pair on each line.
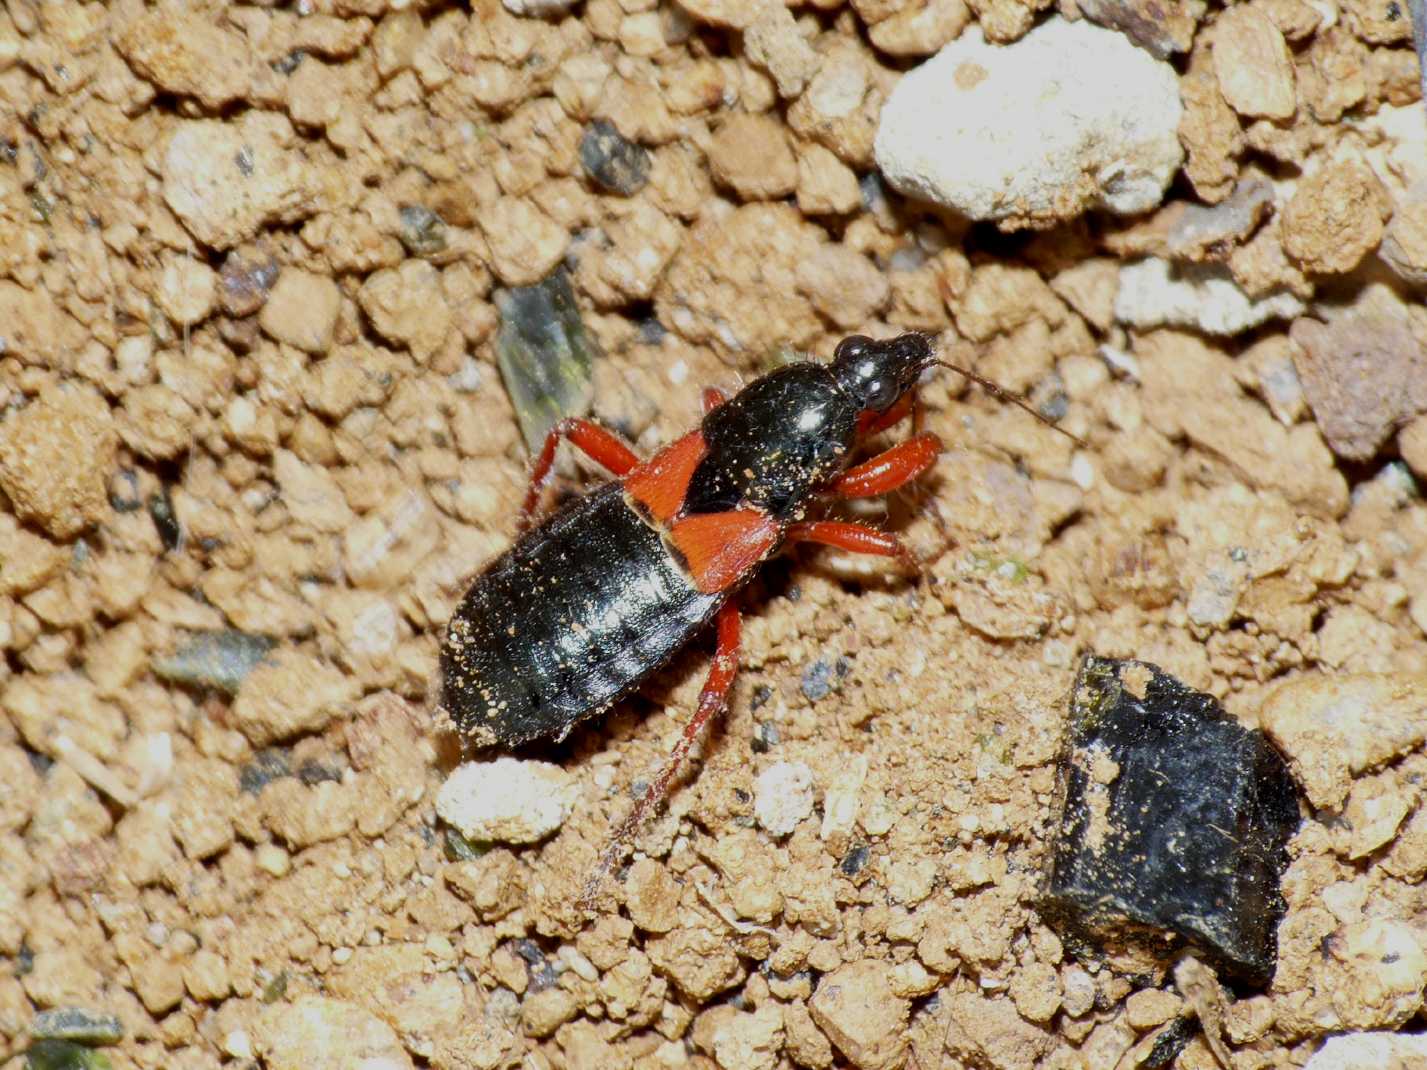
[712,699]
[857,538]
[888,470]
[600,445]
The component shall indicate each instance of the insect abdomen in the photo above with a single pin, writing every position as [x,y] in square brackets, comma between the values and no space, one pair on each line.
[577,613]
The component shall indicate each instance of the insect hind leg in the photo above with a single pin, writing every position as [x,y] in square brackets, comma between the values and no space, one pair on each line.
[712,699]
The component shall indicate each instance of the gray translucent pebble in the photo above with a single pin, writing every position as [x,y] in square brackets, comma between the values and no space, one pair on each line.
[423,232]
[545,354]
[77,1024]
[220,659]
[613,162]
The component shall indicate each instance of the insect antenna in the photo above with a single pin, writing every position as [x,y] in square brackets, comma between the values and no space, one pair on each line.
[1019,400]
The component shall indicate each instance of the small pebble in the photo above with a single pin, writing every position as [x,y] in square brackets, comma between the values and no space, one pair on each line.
[816,682]
[302,310]
[1151,1007]
[388,543]
[1335,217]
[220,660]
[124,496]
[852,862]
[310,491]
[507,801]
[423,232]
[1157,293]
[1363,372]
[55,454]
[187,291]
[537,8]
[156,422]
[188,53]
[614,163]
[50,1054]
[1160,31]
[273,860]
[545,355]
[765,738]
[1375,809]
[1370,1051]
[1333,727]
[1404,243]
[773,41]
[407,305]
[1383,967]
[857,1009]
[267,765]
[919,29]
[1253,64]
[225,180]
[651,895]
[315,1033]
[238,1044]
[751,155]
[525,243]
[288,694]
[783,796]
[30,323]
[246,278]
[77,1024]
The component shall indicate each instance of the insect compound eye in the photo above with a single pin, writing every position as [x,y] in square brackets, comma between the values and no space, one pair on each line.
[879,393]
[851,347]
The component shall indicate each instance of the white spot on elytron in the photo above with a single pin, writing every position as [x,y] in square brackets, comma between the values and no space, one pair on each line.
[810,420]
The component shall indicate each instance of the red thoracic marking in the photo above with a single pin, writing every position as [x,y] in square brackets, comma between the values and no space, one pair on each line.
[722,548]
[598,444]
[853,537]
[889,470]
[660,482]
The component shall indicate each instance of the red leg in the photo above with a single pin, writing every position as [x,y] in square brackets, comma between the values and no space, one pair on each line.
[713,398]
[890,469]
[872,422]
[857,538]
[598,444]
[712,699]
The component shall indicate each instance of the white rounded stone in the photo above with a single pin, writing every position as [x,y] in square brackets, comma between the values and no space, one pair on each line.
[1068,118]
[507,801]
[783,796]
[1157,293]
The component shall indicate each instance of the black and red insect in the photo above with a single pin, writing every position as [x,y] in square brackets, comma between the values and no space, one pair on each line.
[586,606]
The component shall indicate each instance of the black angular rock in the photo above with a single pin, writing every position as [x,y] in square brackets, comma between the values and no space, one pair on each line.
[614,163]
[1175,820]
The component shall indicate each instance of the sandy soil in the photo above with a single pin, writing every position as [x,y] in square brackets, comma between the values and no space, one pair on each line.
[250,258]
